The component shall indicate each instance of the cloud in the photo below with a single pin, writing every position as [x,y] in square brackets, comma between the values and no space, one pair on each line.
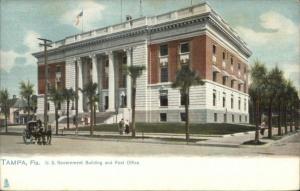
[92,13]
[8,58]
[277,29]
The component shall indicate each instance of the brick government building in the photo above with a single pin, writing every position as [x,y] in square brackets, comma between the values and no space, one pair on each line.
[195,36]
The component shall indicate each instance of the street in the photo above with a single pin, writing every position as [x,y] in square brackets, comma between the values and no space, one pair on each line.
[82,145]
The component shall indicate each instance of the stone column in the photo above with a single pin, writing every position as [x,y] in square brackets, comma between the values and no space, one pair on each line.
[100,73]
[80,86]
[128,80]
[95,69]
[111,82]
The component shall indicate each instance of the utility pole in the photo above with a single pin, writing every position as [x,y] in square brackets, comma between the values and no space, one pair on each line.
[46,43]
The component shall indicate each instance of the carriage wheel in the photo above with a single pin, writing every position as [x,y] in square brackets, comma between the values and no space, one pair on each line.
[25,138]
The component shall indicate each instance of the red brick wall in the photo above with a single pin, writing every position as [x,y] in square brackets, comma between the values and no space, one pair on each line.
[198,55]
[51,77]
[153,77]
[201,48]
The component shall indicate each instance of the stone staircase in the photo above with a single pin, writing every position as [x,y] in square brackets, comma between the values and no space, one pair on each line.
[100,117]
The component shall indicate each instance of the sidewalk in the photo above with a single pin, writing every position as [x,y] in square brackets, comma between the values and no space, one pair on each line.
[229,140]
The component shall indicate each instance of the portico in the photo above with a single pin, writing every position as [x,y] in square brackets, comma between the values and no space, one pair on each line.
[108,70]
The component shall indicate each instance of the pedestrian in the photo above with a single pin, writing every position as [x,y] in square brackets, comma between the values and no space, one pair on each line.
[262,128]
[121,126]
[127,127]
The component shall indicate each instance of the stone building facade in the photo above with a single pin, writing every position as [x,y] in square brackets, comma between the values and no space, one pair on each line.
[195,36]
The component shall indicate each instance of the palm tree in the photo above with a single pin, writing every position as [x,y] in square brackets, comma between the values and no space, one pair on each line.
[185,78]
[134,72]
[69,95]
[26,91]
[256,91]
[279,100]
[90,90]
[4,105]
[288,91]
[56,96]
[274,79]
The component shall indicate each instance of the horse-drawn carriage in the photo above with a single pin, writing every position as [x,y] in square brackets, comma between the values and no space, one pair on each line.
[34,132]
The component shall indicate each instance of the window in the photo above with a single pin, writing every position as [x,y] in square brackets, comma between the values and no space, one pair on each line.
[231,102]
[223,55]
[164,98]
[240,118]
[224,100]
[163,117]
[245,70]
[214,49]
[59,106]
[239,66]
[48,106]
[232,84]
[214,76]
[164,50]
[215,117]
[225,118]
[164,74]
[246,119]
[183,100]
[182,116]
[231,60]
[214,98]
[239,87]
[58,69]
[224,80]
[245,104]
[239,103]
[232,118]
[184,47]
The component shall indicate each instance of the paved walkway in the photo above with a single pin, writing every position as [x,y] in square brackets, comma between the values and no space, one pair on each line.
[230,140]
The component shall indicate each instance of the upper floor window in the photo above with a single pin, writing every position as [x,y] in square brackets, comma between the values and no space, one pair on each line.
[184,47]
[164,73]
[239,87]
[245,70]
[245,104]
[214,76]
[214,49]
[231,103]
[239,66]
[224,80]
[231,60]
[223,55]
[232,84]
[239,103]
[164,50]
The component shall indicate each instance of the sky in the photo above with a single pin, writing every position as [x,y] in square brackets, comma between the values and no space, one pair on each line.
[269,27]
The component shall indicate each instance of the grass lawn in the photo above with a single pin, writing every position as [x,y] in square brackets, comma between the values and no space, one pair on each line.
[206,129]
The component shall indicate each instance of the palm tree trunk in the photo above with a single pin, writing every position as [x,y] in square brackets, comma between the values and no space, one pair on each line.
[94,117]
[28,108]
[290,121]
[133,107]
[91,118]
[76,98]
[187,121]
[6,129]
[285,120]
[56,121]
[68,120]
[279,118]
[270,119]
[256,107]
